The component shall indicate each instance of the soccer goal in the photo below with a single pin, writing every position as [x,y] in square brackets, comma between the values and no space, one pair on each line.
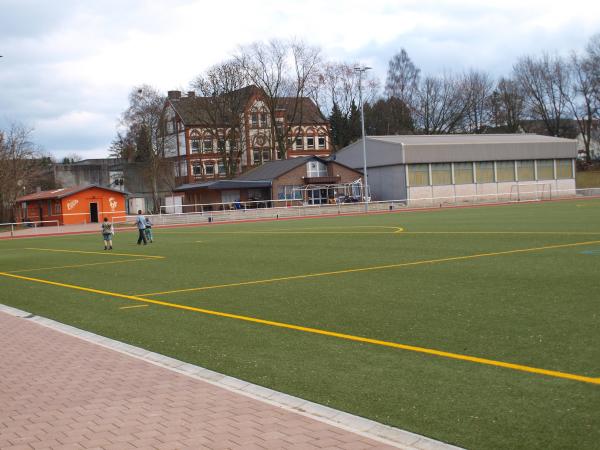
[530,192]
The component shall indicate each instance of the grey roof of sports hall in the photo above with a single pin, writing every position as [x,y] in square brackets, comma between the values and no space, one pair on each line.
[411,149]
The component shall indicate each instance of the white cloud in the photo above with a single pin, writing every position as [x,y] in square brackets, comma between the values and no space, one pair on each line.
[69,65]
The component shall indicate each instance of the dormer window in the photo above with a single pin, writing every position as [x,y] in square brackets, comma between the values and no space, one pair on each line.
[316,169]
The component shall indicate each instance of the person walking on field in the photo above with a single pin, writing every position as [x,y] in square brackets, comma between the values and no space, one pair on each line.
[107,233]
[140,222]
[148,229]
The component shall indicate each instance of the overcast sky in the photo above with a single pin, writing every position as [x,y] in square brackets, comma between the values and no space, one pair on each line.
[68,65]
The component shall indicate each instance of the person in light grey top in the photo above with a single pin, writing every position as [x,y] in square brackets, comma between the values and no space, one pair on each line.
[140,222]
[107,233]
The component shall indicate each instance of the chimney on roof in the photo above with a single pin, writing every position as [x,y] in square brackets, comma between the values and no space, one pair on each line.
[191,94]
[174,95]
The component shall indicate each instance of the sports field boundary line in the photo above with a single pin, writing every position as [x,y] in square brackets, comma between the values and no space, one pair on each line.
[104,253]
[349,337]
[361,426]
[75,266]
[326,216]
[366,269]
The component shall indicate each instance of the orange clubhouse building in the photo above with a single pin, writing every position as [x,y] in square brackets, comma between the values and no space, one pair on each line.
[73,205]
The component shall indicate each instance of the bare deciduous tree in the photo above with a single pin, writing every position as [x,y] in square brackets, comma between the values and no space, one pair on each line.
[20,167]
[476,88]
[403,78]
[582,99]
[225,96]
[338,85]
[507,105]
[144,119]
[544,82]
[438,105]
[284,70]
[593,62]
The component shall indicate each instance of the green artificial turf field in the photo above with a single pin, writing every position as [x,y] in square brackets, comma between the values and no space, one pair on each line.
[430,308]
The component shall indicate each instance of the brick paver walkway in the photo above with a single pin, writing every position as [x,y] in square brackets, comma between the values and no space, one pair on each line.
[61,392]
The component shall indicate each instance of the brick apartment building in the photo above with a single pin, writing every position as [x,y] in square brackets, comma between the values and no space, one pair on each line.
[203,139]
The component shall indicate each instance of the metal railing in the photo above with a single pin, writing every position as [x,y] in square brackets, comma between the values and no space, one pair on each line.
[228,214]
[34,225]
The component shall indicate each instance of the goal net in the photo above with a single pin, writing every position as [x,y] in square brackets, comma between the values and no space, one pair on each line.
[530,192]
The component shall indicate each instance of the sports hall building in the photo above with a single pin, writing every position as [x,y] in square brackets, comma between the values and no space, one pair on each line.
[462,167]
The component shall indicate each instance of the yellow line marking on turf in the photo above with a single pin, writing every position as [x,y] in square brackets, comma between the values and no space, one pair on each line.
[289,232]
[398,230]
[134,306]
[365,269]
[72,266]
[428,351]
[108,252]
[566,233]
[306,230]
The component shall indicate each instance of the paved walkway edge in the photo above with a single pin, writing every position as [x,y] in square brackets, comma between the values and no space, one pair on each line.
[359,425]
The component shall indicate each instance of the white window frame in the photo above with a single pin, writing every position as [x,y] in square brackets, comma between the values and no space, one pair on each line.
[324,139]
[316,169]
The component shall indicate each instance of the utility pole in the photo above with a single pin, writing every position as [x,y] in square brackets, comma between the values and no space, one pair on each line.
[361,70]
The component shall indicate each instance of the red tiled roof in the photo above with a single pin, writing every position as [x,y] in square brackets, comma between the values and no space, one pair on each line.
[62,192]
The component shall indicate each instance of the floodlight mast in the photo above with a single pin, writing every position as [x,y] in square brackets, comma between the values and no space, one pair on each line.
[361,70]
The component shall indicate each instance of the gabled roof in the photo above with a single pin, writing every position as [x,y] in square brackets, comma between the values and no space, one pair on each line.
[416,149]
[306,111]
[274,169]
[259,177]
[465,139]
[64,192]
[194,110]
[224,184]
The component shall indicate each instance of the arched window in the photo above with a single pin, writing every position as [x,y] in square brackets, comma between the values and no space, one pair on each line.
[207,143]
[195,141]
[209,168]
[322,139]
[299,140]
[197,168]
[310,138]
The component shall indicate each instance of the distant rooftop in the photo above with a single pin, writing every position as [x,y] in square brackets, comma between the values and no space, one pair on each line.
[64,192]
[415,149]
[464,139]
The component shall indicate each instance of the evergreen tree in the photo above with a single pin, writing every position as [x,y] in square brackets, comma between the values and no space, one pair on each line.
[387,117]
[337,123]
[353,130]
[344,129]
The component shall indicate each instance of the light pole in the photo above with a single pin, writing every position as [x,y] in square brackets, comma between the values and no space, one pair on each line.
[361,70]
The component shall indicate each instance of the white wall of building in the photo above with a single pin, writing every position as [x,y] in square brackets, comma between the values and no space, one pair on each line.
[490,192]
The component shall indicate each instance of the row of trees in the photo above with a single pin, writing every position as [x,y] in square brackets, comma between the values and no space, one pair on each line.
[550,94]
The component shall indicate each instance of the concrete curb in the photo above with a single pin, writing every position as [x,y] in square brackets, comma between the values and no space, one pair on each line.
[359,425]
